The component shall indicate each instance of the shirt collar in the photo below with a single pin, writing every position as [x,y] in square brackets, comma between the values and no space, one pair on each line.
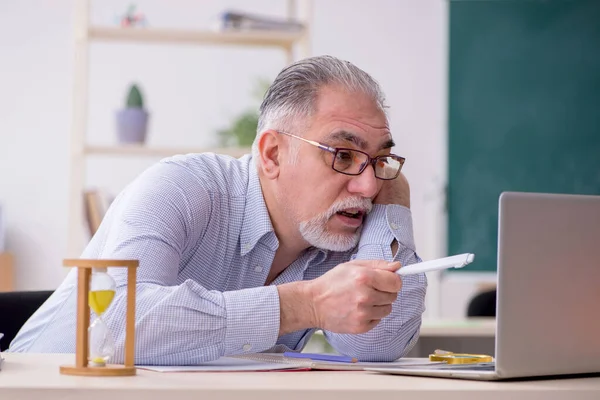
[257,222]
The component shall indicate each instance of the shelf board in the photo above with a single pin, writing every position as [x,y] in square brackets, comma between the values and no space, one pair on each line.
[142,150]
[155,35]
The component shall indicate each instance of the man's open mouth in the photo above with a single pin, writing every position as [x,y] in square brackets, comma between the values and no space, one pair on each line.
[352,213]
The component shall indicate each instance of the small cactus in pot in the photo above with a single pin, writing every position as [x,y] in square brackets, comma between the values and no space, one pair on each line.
[132,121]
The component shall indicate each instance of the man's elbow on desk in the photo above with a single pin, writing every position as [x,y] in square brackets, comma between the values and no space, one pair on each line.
[377,345]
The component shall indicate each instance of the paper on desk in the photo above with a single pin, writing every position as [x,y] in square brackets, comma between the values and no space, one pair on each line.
[333,365]
[406,362]
[276,361]
[225,364]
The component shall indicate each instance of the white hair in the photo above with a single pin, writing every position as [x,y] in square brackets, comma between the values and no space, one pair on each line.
[291,98]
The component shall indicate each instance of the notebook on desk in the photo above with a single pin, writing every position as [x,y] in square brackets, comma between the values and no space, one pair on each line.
[547,291]
[278,362]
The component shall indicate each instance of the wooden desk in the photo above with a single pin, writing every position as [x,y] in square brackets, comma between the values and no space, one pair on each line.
[36,376]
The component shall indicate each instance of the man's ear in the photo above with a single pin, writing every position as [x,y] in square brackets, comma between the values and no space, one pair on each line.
[269,153]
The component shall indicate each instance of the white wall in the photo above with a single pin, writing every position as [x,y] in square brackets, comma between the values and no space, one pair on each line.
[35,66]
[191,92]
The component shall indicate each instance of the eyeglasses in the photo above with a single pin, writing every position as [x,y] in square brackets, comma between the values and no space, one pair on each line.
[354,162]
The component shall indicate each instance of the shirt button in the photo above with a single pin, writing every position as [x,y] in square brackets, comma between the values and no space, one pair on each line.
[258,268]
[247,347]
[394,226]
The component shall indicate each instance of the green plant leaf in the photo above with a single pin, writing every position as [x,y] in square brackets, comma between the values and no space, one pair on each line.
[134,98]
[243,128]
[242,132]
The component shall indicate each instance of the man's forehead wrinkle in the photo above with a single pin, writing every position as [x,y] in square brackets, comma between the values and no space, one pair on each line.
[348,137]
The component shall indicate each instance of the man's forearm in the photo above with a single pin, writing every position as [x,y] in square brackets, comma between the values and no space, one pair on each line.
[189,324]
[296,307]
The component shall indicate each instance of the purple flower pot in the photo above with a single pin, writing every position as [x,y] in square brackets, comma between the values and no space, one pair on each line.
[132,125]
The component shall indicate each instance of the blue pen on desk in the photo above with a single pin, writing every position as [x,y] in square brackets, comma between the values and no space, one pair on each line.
[321,357]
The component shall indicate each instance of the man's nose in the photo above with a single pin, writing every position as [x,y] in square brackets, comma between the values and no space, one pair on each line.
[365,184]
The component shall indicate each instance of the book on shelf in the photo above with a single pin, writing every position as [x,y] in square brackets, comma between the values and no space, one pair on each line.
[96,203]
[241,21]
[6,272]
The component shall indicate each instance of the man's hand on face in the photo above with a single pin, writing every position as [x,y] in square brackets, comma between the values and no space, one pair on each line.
[395,191]
[354,296]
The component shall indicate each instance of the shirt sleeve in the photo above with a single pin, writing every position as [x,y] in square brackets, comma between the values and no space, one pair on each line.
[396,334]
[155,220]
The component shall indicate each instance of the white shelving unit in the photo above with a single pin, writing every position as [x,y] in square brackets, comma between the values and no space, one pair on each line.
[133,150]
[85,34]
[174,36]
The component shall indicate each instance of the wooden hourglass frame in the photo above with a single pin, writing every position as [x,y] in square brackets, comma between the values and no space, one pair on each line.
[84,272]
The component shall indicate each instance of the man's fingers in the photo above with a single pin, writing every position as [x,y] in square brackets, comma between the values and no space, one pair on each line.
[380,312]
[372,324]
[390,266]
[386,281]
[380,264]
[384,298]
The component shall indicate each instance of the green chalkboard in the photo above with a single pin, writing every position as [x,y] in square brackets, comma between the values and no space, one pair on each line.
[524,110]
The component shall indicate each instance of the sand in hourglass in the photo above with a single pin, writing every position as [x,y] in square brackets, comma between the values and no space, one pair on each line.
[100,300]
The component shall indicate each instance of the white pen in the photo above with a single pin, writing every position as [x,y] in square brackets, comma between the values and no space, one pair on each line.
[457,261]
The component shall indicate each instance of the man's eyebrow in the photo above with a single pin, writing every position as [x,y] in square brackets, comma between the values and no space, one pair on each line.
[348,137]
[387,145]
[357,140]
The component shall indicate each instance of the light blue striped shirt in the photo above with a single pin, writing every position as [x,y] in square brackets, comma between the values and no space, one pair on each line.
[199,225]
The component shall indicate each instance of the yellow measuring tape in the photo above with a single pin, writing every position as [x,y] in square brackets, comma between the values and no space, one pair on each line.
[459,358]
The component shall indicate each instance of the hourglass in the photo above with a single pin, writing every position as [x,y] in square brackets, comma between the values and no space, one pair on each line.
[101,294]
[95,345]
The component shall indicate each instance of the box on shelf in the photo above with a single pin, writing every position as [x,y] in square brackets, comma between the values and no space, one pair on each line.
[6,272]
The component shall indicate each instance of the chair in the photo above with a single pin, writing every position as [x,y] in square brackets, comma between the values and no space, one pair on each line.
[483,304]
[15,310]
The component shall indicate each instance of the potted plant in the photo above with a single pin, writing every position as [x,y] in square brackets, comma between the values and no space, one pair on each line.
[242,130]
[132,121]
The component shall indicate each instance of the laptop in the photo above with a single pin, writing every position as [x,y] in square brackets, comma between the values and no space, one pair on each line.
[548,291]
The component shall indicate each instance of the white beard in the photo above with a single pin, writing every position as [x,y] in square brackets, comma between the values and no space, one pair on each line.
[314,231]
